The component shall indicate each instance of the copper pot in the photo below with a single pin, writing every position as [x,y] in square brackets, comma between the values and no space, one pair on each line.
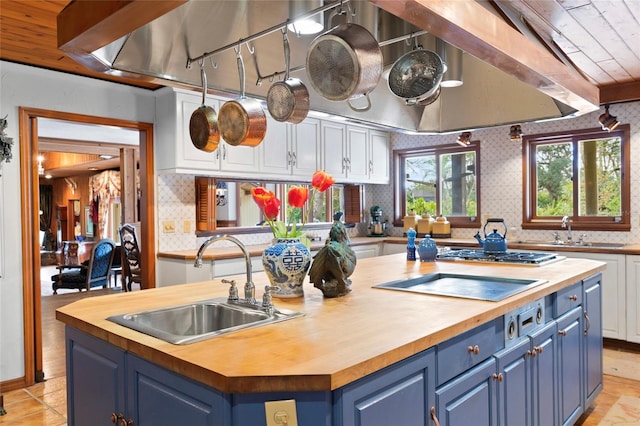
[344,63]
[242,121]
[203,125]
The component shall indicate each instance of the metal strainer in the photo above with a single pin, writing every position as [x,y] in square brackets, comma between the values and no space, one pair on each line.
[416,76]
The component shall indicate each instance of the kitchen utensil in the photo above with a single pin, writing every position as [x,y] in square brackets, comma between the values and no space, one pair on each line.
[494,242]
[345,63]
[242,121]
[288,100]
[203,125]
[416,77]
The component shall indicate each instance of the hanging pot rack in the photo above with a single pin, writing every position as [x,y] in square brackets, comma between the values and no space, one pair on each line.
[236,45]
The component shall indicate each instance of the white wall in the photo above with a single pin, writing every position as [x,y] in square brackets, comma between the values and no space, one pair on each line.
[36,88]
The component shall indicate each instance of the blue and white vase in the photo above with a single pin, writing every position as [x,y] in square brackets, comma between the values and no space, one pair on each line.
[286,262]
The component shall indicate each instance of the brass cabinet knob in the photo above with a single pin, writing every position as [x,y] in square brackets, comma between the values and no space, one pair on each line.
[474,349]
[573,298]
[436,422]
[562,332]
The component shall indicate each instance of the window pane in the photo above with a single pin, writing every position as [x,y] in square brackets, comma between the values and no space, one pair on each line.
[554,186]
[600,189]
[458,194]
[420,184]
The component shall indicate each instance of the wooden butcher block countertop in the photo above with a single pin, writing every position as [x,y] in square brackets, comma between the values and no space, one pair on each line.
[336,342]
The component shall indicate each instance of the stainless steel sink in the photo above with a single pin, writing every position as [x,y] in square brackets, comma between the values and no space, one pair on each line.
[201,320]
[464,286]
[563,244]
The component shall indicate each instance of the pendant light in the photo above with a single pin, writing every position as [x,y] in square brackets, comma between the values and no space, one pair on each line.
[608,121]
[452,56]
[310,25]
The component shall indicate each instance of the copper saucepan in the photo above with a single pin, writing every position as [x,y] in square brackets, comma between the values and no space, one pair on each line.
[242,121]
[203,125]
[288,100]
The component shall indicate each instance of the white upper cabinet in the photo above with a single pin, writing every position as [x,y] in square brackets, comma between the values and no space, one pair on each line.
[352,154]
[291,150]
[355,154]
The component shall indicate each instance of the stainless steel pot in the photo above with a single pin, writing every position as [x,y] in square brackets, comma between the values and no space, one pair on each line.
[416,76]
[344,63]
[242,121]
[288,100]
[203,125]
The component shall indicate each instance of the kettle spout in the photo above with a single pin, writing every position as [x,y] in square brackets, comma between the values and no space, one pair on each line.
[479,238]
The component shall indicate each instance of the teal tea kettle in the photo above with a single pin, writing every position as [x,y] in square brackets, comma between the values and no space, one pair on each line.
[493,243]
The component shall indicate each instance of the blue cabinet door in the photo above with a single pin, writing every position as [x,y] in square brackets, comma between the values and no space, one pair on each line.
[570,369]
[544,372]
[593,337]
[95,380]
[514,385]
[469,399]
[401,394]
[158,397]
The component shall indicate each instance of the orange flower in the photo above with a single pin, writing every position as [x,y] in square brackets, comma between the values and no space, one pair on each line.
[261,196]
[297,196]
[271,208]
[321,180]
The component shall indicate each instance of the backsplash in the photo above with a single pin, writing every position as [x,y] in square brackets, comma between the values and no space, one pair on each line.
[501,186]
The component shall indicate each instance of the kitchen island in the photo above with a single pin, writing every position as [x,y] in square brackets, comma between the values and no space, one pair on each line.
[370,342]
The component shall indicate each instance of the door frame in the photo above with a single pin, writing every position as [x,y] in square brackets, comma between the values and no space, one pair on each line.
[30,218]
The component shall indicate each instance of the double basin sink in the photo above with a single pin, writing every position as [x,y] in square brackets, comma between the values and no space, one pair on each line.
[201,320]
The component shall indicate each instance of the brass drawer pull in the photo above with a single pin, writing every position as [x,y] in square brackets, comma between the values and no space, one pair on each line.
[474,349]
[499,377]
[434,417]
[562,332]
[573,298]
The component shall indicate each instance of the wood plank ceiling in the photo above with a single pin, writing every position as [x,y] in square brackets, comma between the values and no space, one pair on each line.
[600,38]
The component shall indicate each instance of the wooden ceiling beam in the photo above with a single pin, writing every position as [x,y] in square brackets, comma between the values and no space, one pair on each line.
[478,32]
[86,25]
[621,92]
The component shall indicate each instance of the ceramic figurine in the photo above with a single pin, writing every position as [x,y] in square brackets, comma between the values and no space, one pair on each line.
[334,263]
[411,244]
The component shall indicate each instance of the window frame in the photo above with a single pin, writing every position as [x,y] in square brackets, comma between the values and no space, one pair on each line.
[399,196]
[530,220]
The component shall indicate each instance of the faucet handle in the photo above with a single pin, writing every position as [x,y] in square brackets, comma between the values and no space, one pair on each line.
[267,301]
[233,290]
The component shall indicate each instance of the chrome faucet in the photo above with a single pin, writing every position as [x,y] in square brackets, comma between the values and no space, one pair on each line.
[249,287]
[566,223]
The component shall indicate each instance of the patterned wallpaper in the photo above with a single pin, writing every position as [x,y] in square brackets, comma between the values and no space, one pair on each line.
[500,191]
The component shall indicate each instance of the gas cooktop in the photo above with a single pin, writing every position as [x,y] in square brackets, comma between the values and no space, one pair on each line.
[515,257]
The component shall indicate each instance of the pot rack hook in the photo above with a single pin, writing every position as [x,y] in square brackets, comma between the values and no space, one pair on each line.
[214,65]
[250,48]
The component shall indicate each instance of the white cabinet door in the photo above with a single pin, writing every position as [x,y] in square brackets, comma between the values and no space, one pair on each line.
[633,298]
[244,159]
[357,155]
[276,152]
[333,149]
[305,147]
[614,294]
[379,160]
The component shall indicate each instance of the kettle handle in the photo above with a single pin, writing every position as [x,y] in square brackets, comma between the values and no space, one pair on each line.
[495,220]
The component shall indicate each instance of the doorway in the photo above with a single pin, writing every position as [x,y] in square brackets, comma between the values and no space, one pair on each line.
[32,309]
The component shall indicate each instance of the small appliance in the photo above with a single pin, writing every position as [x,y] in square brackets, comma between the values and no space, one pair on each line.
[377,226]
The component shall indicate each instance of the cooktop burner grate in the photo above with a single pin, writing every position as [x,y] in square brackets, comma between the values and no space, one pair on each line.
[517,257]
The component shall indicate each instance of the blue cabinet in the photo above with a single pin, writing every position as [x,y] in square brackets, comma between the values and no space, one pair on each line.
[398,395]
[469,399]
[515,399]
[570,366]
[592,338]
[544,375]
[106,384]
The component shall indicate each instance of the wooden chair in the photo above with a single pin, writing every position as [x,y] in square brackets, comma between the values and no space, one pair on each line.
[131,268]
[92,273]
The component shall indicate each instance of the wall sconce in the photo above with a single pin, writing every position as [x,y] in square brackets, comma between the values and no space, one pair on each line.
[310,25]
[608,121]
[515,133]
[464,139]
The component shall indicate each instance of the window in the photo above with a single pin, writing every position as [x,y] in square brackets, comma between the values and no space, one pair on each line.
[440,180]
[583,175]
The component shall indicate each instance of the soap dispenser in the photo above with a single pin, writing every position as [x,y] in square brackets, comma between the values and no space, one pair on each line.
[427,249]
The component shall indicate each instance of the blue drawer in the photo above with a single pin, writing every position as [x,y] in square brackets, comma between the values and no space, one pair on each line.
[567,299]
[469,349]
